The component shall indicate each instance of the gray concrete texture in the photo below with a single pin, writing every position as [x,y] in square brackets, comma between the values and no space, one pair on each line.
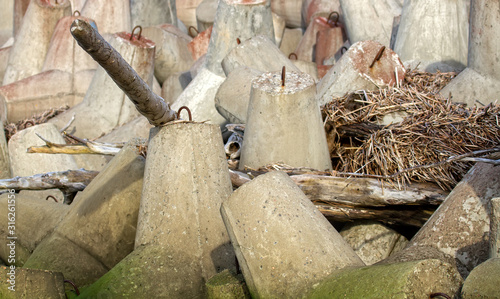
[32,283]
[284,245]
[111,15]
[483,282]
[100,228]
[495,227]
[284,123]
[147,13]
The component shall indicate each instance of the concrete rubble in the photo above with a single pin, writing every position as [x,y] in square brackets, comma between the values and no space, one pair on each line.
[177,213]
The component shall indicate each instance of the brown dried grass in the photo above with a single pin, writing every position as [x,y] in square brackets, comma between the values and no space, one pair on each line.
[433,130]
[13,128]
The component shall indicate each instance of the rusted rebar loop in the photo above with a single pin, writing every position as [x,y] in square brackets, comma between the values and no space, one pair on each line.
[152,106]
[336,20]
[140,32]
[188,111]
[434,295]
[292,55]
[195,30]
[73,285]
[76,12]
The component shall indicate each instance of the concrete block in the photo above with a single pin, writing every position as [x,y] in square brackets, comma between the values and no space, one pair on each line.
[311,8]
[99,229]
[6,21]
[290,10]
[186,11]
[172,87]
[284,245]
[458,230]
[32,283]
[308,67]
[227,284]
[433,34]
[111,16]
[205,14]
[416,279]
[35,220]
[4,59]
[233,95]
[153,12]
[279,25]
[24,164]
[495,228]
[4,156]
[273,134]
[372,241]
[366,65]
[199,45]
[290,40]
[370,19]
[171,55]
[480,80]
[234,20]
[306,49]
[483,281]
[32,41]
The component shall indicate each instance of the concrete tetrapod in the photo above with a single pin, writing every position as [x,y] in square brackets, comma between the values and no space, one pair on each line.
[284,245]
[99,229]
[111,15]
[284,123]
[4,155]
[153,12]
[31,283]
[433,35]
[480,80]
[495,228]
[32,42]
[458,230]
[181,240]
[237,19]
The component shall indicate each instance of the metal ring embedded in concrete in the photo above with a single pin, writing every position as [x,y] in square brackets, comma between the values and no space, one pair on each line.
[140,32]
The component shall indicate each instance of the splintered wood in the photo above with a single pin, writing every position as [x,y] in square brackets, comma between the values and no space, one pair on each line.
[432,130]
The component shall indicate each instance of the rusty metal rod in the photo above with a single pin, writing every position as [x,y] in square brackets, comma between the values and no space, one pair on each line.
[152,106]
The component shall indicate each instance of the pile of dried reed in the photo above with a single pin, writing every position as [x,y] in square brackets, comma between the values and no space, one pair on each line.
[36,119]
[432,130]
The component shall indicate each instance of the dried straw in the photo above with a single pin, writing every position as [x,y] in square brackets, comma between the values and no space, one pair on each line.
[13,128]
[433,129]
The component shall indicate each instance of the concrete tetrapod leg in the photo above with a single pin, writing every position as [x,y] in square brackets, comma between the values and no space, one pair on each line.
[290,10]
[458,230]
[483,282]
[4,155]
[284,123]
[237,19]
[495,228]
[100,228]
[32,42]
[153,12]
[205,14]
[186,11]
[480,80]
[370,19]
[31,283]
[181,240]
[366,65]
[6,21]
[284,245]
[111,15]
[35,220]
[311,8]
[433,35]
[105,105]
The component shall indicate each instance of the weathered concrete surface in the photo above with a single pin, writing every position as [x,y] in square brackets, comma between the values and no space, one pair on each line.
[237,19]
[35,219]
[273,133]
[372,241]
[100,228]
[205,14]
[290,40]
[153,12]
[186,11]
[353,72]
[290,10]
[199,45]
[24,164]
[483,281]
[111,15]
[32,42]
[481,79]
[172,87]
[433,34]
[6,21]
[284,245]
[227,284]
[311,8]
[495,227]
[370,19]
[32,283]
[4,156]
[416,279]
[458,230]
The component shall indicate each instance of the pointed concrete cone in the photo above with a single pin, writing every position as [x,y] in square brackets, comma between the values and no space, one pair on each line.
[100,227]
[415,279]
[233,95]
[25,164]
[111,15]
[147,13]
[284,245]
[32,41]
[172,87]
[77,4]
[480,80]
[284,123]
[307,46]
[311,8]
[105,105]
[307,67]
[483,281]
[371,19]
[290,10]
[372,241]
[366,65]
[181,240]
[328,42]
[290,40]
[20,7]
[205,14]
[279,25]
[237,19]
[259,53]
[4,59]
[31,283]
[6,21]
[458,230]
[4,156]
[171,50]
[434,35]
[186,11]
[35,220]
[199,45]
[495,228]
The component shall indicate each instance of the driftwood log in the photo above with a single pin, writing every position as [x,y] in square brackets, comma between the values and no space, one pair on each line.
[69,182]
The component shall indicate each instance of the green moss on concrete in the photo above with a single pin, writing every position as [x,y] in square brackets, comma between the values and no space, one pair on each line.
[483,281]
[227,284]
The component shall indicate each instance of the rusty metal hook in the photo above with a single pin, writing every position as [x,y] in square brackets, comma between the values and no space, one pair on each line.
[75,12]
[378,56]
[50,196]
[343,50]
[74,286]
[140,32]
[188,111]
[292,54]
[337,16]
[196,30]
[283,72]
[433,295]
